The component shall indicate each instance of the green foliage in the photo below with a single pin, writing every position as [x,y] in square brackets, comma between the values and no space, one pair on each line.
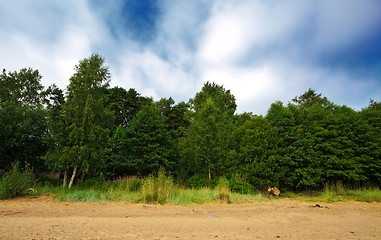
[86,121]
[16,183]
[196,182]
[370,142]
[338,192]
[22,128]
[223,99]
[207,143]
[21,87]
[174,116]
[22,119]
[322,142]
[157,189]
[300,146]
[223,190]
[57,136]
[130,190]
[130,184]
[125,104]
[143,147]
[310,98]
[259,147]
[240,185]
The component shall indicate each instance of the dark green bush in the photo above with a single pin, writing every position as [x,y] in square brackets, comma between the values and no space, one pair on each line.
[240,186]
[198,182]
[16,183]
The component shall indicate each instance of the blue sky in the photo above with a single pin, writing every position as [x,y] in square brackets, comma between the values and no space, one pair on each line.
[263,51]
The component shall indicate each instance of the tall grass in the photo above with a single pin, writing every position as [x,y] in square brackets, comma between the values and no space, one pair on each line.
[157,189]
[161,189]
[223,190]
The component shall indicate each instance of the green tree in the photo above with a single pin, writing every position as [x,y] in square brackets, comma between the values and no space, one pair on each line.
[87,120]
[21,87]
[223,99]
[323,142]
[337,144]
[175,116]
[125,104]
[22,119]
[22,128]
[259,153]
[207,143]
[300,166]
[143,147]
[57,136]
[311,98]
[372,145]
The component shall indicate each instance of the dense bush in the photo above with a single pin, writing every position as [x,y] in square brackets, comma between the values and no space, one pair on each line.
[240,186]
[198,182]
[16,183]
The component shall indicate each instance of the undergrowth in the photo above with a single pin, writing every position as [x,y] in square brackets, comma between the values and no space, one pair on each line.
[337,192]
[16,183]
[162,189]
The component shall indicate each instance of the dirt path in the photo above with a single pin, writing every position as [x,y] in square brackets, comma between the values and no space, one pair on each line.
[43,218]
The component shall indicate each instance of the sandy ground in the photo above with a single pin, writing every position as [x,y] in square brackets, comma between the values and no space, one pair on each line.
[44,218]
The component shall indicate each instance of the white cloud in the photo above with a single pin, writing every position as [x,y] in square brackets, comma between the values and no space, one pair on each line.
[152,76]
[53,49]
[261,50]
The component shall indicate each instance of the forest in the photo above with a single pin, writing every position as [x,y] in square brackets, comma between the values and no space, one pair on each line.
[93,131]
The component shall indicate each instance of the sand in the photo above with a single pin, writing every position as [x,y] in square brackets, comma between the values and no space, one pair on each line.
[45,218]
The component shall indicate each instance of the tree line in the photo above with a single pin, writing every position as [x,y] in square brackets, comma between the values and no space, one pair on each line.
[94,131]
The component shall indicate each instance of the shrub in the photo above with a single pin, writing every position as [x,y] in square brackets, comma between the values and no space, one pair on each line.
[239,185]
[196,182]
[223,190]
[199,182]
[15,183]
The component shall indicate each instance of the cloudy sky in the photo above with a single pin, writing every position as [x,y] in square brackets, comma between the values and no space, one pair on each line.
[262,50]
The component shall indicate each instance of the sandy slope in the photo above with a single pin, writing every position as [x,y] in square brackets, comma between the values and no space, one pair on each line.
[43,218]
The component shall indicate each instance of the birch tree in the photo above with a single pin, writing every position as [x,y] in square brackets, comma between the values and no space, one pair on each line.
[87,119]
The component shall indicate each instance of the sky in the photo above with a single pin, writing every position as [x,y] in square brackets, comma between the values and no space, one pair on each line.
[261,50]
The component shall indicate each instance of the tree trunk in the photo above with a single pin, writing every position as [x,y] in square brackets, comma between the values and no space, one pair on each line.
[72,177]
[83,177]
[65,179]
[210,176]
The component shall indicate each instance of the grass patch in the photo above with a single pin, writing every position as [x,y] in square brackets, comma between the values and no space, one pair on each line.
[338,193]
[163,190]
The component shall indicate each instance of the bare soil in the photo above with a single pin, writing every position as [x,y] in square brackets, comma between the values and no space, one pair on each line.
[44,218]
